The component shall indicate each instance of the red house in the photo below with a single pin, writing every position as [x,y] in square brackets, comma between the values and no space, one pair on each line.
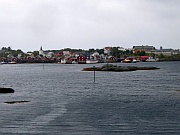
[81,59]
[111,59]
[144,58]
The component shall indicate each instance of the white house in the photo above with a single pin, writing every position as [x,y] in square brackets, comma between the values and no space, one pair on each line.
[107,50]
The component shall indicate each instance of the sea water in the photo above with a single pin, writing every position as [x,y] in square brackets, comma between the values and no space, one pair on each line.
[64,100]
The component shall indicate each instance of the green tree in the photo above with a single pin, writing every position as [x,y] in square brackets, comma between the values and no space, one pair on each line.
[140,53]
[36,53]
[100,51]
[161,56]
[67,49]
[91,50]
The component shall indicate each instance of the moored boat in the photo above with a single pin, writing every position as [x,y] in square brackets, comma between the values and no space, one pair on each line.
[126,61]
[91,61]
[3,62]
[150,59]
[74,62]
[66,61]
[12,62]
[134,61]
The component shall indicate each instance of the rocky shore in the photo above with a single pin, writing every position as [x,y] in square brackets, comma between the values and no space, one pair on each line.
[6,90]
[110,67]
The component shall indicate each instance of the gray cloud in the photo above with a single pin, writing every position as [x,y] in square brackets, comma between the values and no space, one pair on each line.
[56,24]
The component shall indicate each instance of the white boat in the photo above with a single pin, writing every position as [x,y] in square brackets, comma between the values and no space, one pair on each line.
[12,62]
[134,61]
[91,61]
[74,62]
[150,59]
[65,61]
[3,62]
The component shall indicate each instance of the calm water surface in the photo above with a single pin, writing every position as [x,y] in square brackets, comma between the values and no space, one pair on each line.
[65,101]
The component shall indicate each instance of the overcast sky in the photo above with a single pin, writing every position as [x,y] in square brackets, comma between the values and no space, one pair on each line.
[58,24]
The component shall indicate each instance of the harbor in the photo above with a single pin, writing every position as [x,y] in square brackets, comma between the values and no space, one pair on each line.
[62,99]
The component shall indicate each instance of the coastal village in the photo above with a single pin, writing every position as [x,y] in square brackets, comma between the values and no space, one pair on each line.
[143,53]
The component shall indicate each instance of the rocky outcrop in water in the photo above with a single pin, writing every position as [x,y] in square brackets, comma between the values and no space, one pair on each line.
[16,102]
[110,67]
[6,90]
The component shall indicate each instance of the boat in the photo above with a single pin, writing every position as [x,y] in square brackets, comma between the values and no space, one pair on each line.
[12,62]
[91,61]
[126,61]
[74,62]
[66,61]
[63,61]
[3,62]
[134,61]
[151,59]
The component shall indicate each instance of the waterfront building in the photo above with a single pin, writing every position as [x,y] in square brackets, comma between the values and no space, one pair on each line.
[166,52]
[81,59]
[143,48]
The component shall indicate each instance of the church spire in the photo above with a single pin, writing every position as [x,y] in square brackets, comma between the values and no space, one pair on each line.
[41,48]
[41,51]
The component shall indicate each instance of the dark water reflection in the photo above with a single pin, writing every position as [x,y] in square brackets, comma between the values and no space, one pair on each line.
[64,100]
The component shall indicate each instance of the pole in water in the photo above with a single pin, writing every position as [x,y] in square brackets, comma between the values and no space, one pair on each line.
[94,73]
[43,64]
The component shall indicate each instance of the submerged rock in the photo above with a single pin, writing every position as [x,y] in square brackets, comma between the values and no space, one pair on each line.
[15,102]
[6,90]
[110,67]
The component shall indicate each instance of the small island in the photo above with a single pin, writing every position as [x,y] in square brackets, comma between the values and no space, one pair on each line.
[114,68]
